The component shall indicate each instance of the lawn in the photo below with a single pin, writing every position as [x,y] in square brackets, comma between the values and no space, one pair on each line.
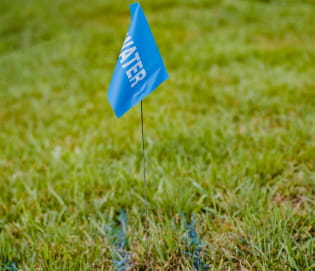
[230,137]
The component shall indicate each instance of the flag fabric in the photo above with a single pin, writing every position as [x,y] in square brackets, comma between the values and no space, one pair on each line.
[139,69]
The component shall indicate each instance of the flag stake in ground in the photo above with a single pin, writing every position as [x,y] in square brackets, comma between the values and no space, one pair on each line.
[145,193]
[138,72]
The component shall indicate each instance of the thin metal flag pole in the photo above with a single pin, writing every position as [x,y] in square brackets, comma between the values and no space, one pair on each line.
[145,194]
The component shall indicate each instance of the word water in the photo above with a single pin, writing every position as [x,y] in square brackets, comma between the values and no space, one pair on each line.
[131,62]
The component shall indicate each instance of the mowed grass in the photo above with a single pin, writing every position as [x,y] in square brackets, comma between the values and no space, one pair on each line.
[230,137]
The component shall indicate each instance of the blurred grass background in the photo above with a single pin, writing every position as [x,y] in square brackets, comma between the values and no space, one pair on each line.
[230,137]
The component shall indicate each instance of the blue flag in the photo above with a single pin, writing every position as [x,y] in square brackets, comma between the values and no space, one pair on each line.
[139,69]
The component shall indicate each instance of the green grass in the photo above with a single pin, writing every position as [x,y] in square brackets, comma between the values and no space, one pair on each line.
[230,137]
